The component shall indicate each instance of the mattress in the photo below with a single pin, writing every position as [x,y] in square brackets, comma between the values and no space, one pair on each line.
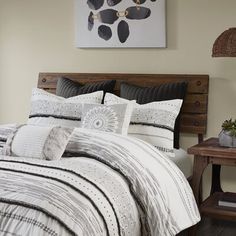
[183,161]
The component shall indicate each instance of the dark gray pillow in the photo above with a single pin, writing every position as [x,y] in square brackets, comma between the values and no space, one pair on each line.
[67,88]
[163,92]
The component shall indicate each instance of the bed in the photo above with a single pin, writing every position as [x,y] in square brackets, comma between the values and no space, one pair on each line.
[193,116]
[106,183]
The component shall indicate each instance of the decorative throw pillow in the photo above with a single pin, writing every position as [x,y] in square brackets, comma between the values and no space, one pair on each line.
[163,92]
[6,131]
[49,109]
[68,88]
[152,122]
[47,143]
[114,118]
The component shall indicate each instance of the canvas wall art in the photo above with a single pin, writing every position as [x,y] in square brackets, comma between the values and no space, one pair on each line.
[120,23]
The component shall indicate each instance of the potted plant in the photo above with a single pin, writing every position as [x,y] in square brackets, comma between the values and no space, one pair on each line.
[227,136]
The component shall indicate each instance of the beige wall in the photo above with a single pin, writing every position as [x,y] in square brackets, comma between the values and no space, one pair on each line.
[38,35]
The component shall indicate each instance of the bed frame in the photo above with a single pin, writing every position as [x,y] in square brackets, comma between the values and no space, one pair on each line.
[193,117]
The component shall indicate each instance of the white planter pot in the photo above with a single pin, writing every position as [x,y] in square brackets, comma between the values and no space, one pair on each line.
[226,140]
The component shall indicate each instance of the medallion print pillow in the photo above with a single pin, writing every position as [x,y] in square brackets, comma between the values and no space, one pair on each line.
[49,109]
[152,122]
[114,118]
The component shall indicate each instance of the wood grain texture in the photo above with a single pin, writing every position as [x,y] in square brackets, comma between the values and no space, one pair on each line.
[211,208]
[194,112]
[212,150]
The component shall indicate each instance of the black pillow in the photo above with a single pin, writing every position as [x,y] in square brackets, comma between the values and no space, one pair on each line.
[67,88]
[157,93]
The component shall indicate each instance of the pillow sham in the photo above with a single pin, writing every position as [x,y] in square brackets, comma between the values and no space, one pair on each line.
[113,118]
[68,88]
[152,122]
[163,92]
[6,131]
[49,109]
[47,143]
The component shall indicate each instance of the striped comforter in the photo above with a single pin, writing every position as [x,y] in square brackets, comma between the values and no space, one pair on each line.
[114,185]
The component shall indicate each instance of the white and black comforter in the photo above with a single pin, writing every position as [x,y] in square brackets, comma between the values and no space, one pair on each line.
[115,186]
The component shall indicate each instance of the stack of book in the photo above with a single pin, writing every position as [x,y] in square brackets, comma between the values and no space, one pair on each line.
[228,200]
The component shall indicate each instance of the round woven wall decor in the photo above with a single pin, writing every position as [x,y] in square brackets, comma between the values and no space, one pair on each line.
[225,44]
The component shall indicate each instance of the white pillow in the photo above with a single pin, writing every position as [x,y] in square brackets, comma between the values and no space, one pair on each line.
[152,122]
[7,131]
[113,118]
[49,109]
[40,142]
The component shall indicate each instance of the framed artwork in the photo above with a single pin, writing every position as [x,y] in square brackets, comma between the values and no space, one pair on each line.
[120,23]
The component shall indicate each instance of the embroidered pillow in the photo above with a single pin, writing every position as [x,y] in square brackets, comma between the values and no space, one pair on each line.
[68,88]
[47,143]
[152,122]
[49,109]
[113,118]
[6,131]
[162,92]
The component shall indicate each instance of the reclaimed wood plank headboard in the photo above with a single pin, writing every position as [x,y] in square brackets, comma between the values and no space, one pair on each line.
[194,112]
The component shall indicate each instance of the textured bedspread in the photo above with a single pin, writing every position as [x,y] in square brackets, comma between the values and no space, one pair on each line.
[165,200]
[76,196]
[115,186]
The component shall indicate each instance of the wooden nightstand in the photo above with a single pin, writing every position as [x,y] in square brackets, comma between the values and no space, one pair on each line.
[209,152]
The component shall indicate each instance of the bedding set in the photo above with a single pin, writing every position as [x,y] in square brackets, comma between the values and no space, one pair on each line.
[80,167]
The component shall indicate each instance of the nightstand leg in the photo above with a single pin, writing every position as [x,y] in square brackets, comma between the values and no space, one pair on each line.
[200,163]
[215,181]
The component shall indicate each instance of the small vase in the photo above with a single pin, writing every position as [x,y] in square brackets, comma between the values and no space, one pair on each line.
[226,140]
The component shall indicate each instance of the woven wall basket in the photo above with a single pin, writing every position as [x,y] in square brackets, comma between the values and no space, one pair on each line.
[225,44]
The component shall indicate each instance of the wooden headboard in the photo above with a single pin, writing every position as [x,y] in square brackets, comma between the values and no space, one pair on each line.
[194,112]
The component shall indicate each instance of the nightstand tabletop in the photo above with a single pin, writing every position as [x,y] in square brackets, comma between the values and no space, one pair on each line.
[211,148]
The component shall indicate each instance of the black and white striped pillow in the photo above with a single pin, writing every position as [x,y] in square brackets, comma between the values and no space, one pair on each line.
[152,122]
[162,92]
[49,109]
[6,132]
